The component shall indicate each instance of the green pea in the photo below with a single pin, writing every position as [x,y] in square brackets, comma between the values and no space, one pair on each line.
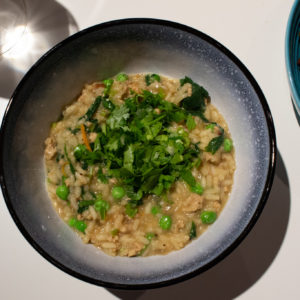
[165,222]
[208,217]
[79,225]
[62,191]
[102,207]
[118,192]
[227,145]
[122,77]
[197,188]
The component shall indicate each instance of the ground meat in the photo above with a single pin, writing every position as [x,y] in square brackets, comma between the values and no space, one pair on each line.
[50,150]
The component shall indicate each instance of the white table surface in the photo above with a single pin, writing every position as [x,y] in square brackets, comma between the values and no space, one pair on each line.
[267,263]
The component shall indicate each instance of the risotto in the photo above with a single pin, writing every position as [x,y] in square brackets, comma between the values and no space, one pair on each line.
[140,164]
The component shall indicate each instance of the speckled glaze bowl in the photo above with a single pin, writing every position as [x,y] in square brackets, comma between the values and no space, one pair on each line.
[132,46]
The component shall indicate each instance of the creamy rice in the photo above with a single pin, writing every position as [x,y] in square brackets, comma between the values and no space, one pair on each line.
[117,233]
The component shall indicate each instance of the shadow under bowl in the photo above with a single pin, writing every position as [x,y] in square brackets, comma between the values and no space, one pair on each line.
[134,46]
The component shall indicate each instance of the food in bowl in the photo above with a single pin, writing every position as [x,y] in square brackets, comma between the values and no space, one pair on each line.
[140,164]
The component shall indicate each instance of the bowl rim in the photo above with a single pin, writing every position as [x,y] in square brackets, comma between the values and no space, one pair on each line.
[288,56]
[269,178]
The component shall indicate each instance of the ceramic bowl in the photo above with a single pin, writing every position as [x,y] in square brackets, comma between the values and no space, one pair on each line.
[292,54]
[133,46]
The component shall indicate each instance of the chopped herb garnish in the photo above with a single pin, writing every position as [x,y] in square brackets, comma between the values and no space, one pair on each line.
[108,104]
[115,232]
[103,178]
[122,77]
[190,123]
[210,126]
[188,177]
[102,207]
[155,210]
[149,236]
[108,84]
[131,209]
[227,145]
[197,188]
[74,131]
[69,160]
[196,103]
[193,232]
[150,78]
[84,205]
[92,109]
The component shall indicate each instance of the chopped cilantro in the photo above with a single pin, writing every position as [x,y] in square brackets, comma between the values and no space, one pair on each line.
[118,117]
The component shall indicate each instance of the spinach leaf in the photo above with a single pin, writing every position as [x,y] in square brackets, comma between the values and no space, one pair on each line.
[196,103]
[215,143]
[84,205]
[108,104]
[74,131]
[92,109]
[193,232]
[69,160]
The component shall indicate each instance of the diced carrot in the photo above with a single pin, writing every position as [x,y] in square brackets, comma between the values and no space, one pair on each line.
[84,137]
[63,169]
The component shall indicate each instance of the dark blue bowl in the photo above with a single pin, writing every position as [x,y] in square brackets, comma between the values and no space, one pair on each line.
[134,45]
[292,53]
